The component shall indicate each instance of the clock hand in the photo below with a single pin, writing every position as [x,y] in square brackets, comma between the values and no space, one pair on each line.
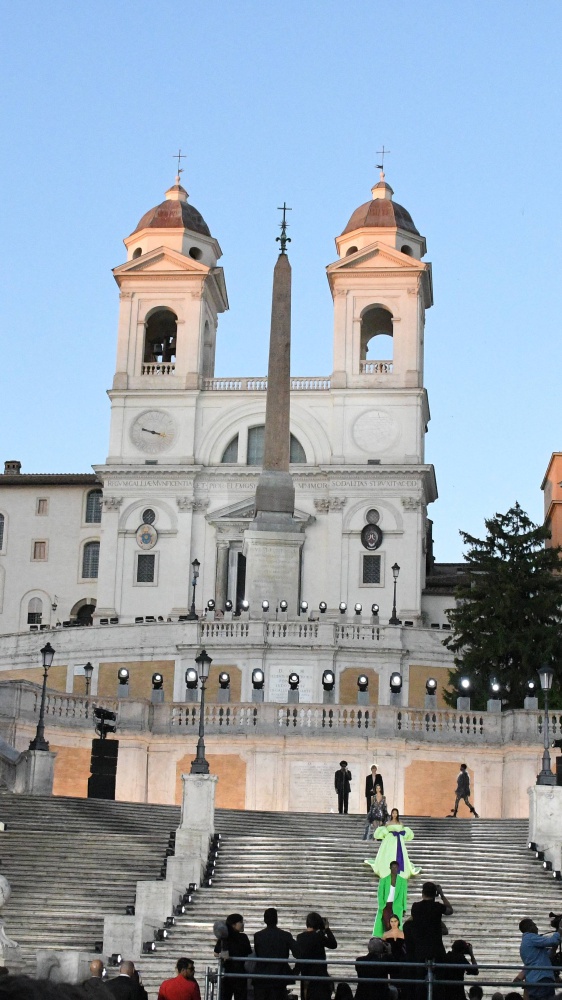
[148,431]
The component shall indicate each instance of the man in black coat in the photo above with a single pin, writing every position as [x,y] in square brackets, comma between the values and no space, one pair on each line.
[95,986]
[463,792]
[127,985]
[312,944]
[273,942]
[378,952]
[342,784]
[372,782]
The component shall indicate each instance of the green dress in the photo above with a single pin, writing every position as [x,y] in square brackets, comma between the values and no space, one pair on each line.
[399,903]
[393,848]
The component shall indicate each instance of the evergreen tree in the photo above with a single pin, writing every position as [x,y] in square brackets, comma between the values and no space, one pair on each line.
[508,621]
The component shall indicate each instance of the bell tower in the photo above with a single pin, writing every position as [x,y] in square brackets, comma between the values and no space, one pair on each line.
[171,293]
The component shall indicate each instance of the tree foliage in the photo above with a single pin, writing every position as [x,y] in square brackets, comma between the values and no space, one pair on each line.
[507,622]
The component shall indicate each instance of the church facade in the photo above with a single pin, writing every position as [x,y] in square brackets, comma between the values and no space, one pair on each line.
[185,447]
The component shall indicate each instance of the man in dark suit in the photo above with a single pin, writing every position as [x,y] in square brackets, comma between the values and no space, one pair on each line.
[312,944]
[273,942]
[127,985]
[342,785]
[94,986]
[372,782]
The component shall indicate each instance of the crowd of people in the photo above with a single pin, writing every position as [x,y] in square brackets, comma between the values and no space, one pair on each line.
[126,985]
[395,966]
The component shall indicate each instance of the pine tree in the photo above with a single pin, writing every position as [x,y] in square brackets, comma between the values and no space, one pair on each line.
[508,620]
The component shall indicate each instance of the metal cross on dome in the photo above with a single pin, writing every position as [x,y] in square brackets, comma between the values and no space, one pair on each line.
[382,153]
[283,239]
[179,156]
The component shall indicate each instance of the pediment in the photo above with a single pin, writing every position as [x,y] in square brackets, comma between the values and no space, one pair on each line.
[377,255]
[244,510]
[160,260]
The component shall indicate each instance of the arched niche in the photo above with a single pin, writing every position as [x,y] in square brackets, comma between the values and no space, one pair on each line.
[376,334]
[160,336]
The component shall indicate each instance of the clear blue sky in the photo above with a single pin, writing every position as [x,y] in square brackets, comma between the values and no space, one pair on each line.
[290,100]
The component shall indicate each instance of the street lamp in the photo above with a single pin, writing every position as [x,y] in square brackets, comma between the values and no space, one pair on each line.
[200,765]
[88,671]
[394,620]
[192,617]
[40,743]
[546,777]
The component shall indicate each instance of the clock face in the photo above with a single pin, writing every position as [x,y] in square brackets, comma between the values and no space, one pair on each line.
[153,431]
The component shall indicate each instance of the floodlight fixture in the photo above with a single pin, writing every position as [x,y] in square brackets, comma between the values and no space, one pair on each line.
[157,681]
[210,605]
[114,960]
[283,605]
[328,680]
[362,682]
[228,605]
[245,605]
[258,677]
[224,680]
[191,678]
[304,606]
[123,675]
[396,683]
[265,605]
[148,947]
[294,681]
[431,685]
[343,607]
[374,609]
[323,607]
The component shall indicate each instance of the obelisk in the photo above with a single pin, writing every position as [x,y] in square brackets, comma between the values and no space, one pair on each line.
[273,542]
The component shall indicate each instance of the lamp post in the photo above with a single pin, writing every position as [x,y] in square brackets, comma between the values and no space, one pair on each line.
[394,620]
[200,765]
[546,777]
[88,671]
[39,742]
[192,617]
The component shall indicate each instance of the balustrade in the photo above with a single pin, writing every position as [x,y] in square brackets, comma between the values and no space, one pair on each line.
[376,367]
[307,383]
[158,368]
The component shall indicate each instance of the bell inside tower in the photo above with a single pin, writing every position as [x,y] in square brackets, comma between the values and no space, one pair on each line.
[160,337]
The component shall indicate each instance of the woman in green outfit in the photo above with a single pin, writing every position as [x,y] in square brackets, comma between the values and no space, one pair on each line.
[393,867]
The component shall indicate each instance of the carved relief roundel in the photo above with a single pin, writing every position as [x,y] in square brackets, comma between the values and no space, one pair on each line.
[375,431]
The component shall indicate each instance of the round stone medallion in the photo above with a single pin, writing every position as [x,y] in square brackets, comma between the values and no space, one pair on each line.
[375,431]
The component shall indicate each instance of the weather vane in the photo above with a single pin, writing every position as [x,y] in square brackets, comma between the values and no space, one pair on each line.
[179,156]
[283,239]
[382,153]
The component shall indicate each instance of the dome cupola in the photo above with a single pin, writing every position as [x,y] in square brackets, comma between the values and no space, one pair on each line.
[381,220]
[177,225]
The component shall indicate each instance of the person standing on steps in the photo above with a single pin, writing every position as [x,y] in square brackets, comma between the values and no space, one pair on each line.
[372,782]
[427,917]
[95,986]
[236,945]
[342,784]
[392,900]
[463,792]
[272,942]
[312,944]
[127,985]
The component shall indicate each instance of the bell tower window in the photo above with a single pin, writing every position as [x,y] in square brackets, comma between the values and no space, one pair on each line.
[160,337]
[376,341]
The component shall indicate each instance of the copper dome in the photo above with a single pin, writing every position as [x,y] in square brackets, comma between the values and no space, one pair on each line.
[381,213]
[174,213]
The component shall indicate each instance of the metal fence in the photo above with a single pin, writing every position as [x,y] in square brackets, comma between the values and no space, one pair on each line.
[424,976]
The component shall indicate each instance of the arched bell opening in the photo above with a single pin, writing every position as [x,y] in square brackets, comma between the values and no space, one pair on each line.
[160,337]
[377,343]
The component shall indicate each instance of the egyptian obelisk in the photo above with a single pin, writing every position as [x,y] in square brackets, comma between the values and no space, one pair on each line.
[273,542]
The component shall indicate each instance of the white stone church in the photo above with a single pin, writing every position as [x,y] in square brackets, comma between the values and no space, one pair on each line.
[135,567]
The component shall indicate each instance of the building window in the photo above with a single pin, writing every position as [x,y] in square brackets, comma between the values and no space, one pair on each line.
[39,551]
[148,516]
[371,569]
[145,567]
[2,522]
[42,506]
[256,442]
[230,453]
[34,611]
[90,560]
[93,507]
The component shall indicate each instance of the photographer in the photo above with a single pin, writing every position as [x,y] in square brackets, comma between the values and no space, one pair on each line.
[458,955]
[535,954]
[312,944]
[427,916]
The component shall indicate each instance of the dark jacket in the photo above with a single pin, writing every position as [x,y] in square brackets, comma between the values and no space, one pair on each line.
[312,945]
[125,988]
[371,991]
[370,788]
[427,916]
[273,942]
[463,784]
[342,780]
[94,987]
[237,944]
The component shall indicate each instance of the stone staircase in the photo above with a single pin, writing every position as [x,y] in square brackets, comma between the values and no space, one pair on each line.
[70,861]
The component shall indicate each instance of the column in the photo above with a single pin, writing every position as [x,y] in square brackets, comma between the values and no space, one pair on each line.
[221,578]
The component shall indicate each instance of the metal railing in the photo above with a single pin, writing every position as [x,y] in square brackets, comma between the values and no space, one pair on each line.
[428,973]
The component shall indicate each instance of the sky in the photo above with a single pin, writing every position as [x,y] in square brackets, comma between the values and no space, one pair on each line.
[290,101]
